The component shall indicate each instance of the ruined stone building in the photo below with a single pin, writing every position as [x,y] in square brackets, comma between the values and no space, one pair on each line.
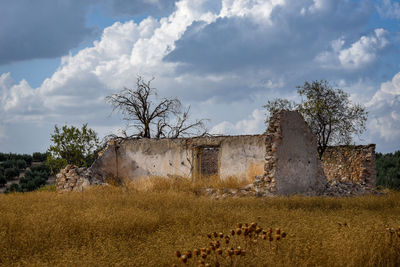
[284,159]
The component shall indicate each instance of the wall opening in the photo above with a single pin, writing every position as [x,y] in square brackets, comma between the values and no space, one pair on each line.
[208,161]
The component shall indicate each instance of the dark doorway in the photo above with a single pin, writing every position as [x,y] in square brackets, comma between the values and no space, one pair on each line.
[209,161]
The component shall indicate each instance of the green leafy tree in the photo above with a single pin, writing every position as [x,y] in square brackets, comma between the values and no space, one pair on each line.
[3,180]
[11,173]
[72,145]
[388,170]
[328,111]
[14,187]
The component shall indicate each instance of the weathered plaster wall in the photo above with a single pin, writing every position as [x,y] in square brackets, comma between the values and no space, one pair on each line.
[350,164]
[292,165]
[240,156]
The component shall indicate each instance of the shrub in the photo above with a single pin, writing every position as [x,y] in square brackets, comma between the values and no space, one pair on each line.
[14,187]
[20,164]
[388,170]
[27,158]
[10,163]
[3,180]
[11,173]
[39,157]
[34,178]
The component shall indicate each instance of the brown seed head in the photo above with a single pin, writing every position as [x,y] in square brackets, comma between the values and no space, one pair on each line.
[277,237]
[200,261]
[264,237]
[209,235]
[258,230]
[269,230]
[227,237]
[207,265]
[212,248]
[177,254]
[277,231]
[174,265]
[219,251]
[208,251]
[236,252]
[232,232]
[238,231]
[217,244]
[239,225]
[215,234]
[204,255]
[196,252]
[183,259]
[230,252]
[226,241]
[217,264]
[221,235]
[283,235]
[270,239]
[188,254]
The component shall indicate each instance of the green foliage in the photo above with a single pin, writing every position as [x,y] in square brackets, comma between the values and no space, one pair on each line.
[11,173]
[14,187]
[10,156]
[388,170]
[328,111]
[72,145]
[33,179]
[3,180]
[39,157]
[20,164]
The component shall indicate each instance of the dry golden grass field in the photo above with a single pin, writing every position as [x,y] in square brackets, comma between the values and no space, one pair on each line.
[146,223]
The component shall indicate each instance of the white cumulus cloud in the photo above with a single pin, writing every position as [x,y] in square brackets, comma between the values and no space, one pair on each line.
[385,110]
[360,54]
[254,124]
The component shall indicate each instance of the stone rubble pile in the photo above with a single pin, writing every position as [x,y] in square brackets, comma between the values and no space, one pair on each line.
[72,178]
[347,189]
[258,189]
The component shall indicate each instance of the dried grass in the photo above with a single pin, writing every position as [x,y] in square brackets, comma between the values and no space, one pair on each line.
[143,224]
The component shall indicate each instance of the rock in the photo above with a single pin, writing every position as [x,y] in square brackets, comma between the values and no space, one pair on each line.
[72,178]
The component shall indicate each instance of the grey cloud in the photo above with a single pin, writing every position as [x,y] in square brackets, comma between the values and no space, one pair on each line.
[140,7]
[292,40]
[41,28]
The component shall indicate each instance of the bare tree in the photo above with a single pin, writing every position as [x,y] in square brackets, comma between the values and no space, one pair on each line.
[152,118]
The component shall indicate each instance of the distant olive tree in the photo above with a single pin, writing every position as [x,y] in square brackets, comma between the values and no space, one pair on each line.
[328,111]
[72,145]
[152,117]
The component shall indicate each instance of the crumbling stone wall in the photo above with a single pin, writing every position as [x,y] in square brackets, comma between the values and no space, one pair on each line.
[291,163]
[355,164]
[72,178]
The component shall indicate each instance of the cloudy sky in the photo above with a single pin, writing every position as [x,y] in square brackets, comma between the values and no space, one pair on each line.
[224,58]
